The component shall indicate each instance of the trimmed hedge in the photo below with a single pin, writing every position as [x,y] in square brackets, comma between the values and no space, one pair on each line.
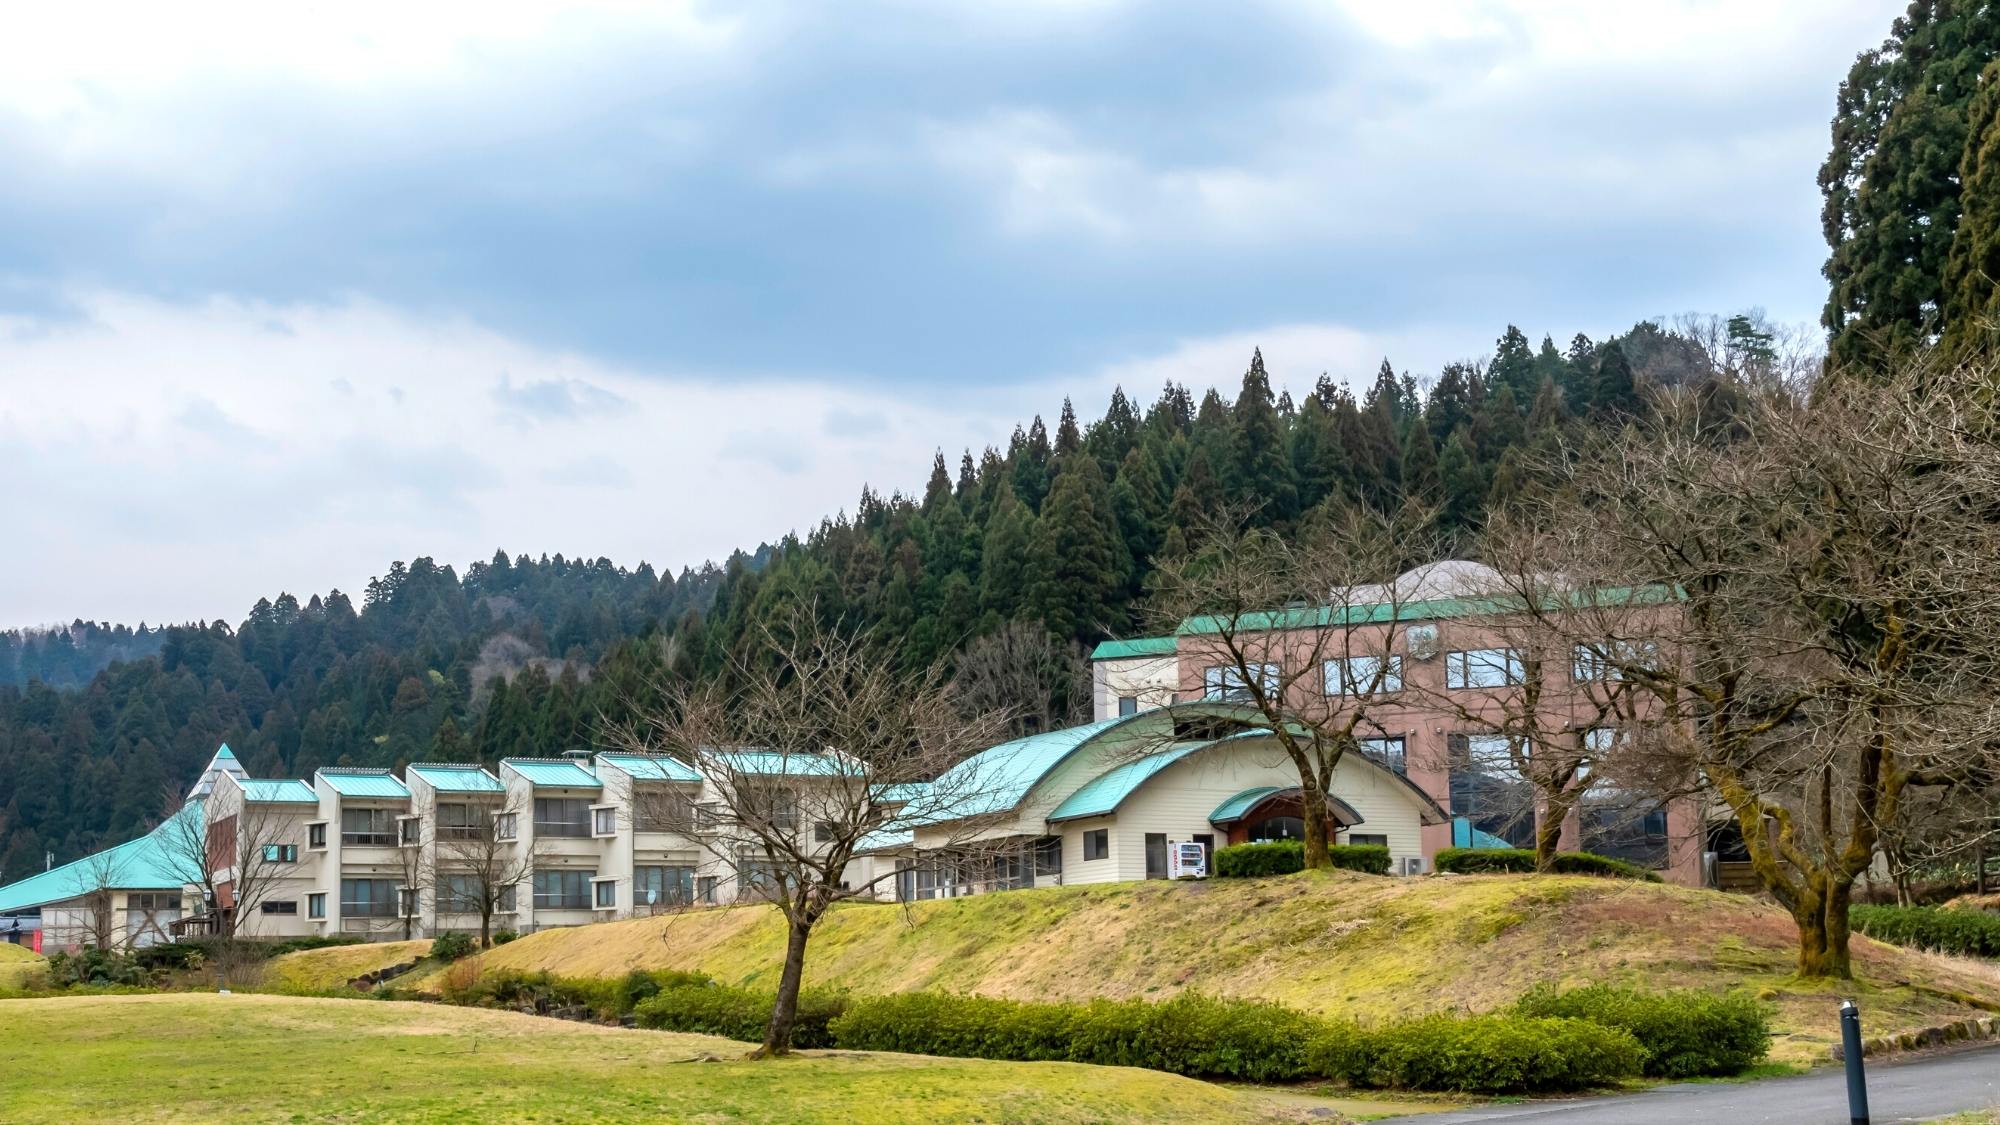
[1282,857]
[1686,1033]
[1248,1040]
[451,945]
[738,1013]
[1521,861]
[1971,933]
[607,998]
[1498,1054]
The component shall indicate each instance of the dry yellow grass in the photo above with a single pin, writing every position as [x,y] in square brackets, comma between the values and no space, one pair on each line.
[16,963]
[1338,944]
[318,970]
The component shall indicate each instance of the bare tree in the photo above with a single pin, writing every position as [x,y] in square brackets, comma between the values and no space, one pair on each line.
[1302,631]
[1023,671]
[1830,558]
[816,749]
[247,846]
[415,874]
[480,868]
[103,873]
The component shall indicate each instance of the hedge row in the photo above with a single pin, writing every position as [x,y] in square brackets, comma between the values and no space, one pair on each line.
[1521,861]
[738,1013]
[1282,857]
[1686,1034]
[1971,933]
[606,997]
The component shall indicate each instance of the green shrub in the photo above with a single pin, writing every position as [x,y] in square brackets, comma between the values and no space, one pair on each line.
[1970,933]
[316,941]
[171,955]
[1282,857]
[502,937]
[451,945]
[92,967]
[1497,1054]
[738,1013]
[1521,861]
[1686,1033]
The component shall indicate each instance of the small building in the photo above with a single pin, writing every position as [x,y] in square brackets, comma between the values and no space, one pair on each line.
[128,895]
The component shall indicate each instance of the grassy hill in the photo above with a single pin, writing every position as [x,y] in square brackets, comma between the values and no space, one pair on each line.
[15,963]
[203,1057]
[1337,943]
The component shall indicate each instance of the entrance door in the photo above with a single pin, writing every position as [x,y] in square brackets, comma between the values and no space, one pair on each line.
[1156,855]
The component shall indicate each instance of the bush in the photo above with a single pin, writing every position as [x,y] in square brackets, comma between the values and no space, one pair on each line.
[171,956]
[1497,1054]
[93,967]
[1282,857]
[1521,861]
[502,937]
[1685,1034]
[450,946]
[317,941]
[738,1013]
[1971,933]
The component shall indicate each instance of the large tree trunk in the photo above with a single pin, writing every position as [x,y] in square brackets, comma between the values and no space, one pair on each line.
[1821,915]
[486,927]
[1318,822]
[784,1013]
[1548,835]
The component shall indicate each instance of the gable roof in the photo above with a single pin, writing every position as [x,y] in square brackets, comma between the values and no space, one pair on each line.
[147,863]
[778,763]
[277,791]
[560,773]
[650,767]
[1135,646]
[363,783]
[450,777]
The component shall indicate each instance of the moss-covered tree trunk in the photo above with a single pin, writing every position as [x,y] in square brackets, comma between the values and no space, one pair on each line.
[785,1012]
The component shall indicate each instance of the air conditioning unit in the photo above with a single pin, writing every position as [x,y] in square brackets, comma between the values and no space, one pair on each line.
[1421,642]
[1410,865]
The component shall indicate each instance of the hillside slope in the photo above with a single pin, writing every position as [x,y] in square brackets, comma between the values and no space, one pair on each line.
[1360,946]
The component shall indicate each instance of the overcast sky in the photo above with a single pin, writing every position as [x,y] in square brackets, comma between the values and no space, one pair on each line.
[286,297]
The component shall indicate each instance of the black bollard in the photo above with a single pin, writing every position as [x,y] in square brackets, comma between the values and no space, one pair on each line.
[1857,1082]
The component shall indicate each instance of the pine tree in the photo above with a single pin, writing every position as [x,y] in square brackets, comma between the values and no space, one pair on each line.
[1420,467]
[1616,392]
[1079,564]
[1263,476]
[1513,364]
[1463,484]
[1003,563]
[1972,291]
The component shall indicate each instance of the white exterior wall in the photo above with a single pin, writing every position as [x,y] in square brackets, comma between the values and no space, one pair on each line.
[283,823]
[571,853]
[1152,680]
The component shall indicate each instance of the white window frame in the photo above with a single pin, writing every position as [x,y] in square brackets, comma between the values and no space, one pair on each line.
[316,828]
[597,893]
[316,905]
[1347,675]
[1467,669]
[405,838]
[1228,683]
[597,811]
[506,825]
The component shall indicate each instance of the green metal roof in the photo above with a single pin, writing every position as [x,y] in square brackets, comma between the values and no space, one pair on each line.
[777,763]
[363,783]
[1234,808]
[278,791]
[225,754]
[998,778]
[553,772]
[446,777]
[1105,792]
[1432,609]
[148,863]
[1137,646]
[648,767]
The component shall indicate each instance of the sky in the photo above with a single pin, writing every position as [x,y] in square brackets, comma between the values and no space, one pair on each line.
[288,292]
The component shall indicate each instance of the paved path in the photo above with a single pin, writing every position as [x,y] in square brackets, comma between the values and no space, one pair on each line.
[1915,1090]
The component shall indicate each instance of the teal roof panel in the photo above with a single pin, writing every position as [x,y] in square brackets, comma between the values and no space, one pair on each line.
[554,773]
[777,763]
[364,783]
[649,767]
[1136,646]
[148,863]
[1233,809]
[1432,609]
[998,778]
[1105,792]
[446,777]
[278,791]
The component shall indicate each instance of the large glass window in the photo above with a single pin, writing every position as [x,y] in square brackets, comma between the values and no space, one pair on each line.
[666,885]
[1228,682]
[1364,675]
[1625,826]
[368,898]
[1597,662]
[663,809]
[1487,789]
[563,890]
[1385,751]
[562,816]
[458,820]
[1277,828]
[460,893]
[1482,668]
[368,827]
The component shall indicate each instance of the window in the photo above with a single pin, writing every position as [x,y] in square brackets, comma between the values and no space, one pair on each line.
[506,825]
[316,906]
[316,835]
[1128,705]
[368,898]
[1375,839]
[776,804]
[663,810]
[1156,855]
[1277,828]
[462,893]
[1385,751]
[1228,683]
[562,816]
[281,853]
[662,886]
[704,888]
[1482,668]
[604,822]
[604,894]
[1097,843]
[410,830]
[563,890]
[1593,663]
[457,820]
[1048,857]
[1488,791]
[406,901]
[823,832]
[368,827]
[1357,675]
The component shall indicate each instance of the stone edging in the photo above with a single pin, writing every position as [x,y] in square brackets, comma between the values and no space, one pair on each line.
[1964,1031]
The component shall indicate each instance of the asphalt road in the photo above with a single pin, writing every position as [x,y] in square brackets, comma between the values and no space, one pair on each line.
[1917,1089]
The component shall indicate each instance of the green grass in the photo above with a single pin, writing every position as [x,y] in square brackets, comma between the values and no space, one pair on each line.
[324,970]
[1338,944]
[16,963]
[203,1057]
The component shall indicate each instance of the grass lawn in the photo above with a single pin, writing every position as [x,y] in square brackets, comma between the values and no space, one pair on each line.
[204,1057]
[16,962]
[1337,943]
[335,965]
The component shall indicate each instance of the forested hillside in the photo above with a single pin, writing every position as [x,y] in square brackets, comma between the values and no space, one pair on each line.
[1039,547]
